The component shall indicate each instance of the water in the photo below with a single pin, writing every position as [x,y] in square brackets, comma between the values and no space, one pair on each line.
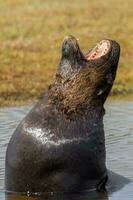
[119,145]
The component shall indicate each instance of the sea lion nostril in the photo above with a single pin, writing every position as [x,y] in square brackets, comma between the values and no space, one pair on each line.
[72,56]
[70,40]
[70,45]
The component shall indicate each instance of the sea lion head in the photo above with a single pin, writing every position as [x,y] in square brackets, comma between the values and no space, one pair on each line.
[86,79]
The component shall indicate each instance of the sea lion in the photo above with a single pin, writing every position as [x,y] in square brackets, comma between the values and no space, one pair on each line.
[60,146]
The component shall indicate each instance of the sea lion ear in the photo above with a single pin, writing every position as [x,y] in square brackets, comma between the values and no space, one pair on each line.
[71,57]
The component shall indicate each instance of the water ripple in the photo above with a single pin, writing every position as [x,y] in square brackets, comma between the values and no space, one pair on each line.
[118,128]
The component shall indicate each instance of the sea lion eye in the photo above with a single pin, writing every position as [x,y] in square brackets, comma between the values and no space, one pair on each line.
[109,78]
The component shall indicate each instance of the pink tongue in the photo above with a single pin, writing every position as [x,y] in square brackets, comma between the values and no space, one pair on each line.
[100,50]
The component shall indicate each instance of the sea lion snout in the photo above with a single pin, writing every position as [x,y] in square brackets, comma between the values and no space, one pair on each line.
[71,50]
[72,58]
[69,45]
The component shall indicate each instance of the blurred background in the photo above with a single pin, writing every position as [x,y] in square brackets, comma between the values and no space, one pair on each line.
[31,33]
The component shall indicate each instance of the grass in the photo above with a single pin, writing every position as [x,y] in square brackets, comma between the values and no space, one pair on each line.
[31,33]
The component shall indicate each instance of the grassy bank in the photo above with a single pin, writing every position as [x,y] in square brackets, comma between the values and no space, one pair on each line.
[31,33]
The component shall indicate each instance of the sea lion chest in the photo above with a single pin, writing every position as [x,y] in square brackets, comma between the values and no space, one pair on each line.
[52,148]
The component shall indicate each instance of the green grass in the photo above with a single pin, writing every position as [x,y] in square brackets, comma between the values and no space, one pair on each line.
[31,32]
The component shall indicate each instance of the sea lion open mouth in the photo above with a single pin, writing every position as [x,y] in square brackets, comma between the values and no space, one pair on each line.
[101,49]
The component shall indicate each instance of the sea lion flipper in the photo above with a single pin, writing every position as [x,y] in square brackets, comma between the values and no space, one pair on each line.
[101,185]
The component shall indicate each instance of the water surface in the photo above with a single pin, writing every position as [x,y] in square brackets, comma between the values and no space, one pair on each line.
[119,145]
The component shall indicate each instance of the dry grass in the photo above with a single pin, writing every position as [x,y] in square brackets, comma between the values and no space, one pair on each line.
[32,32]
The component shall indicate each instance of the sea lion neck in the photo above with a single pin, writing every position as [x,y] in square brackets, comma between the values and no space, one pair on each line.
[73,101]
